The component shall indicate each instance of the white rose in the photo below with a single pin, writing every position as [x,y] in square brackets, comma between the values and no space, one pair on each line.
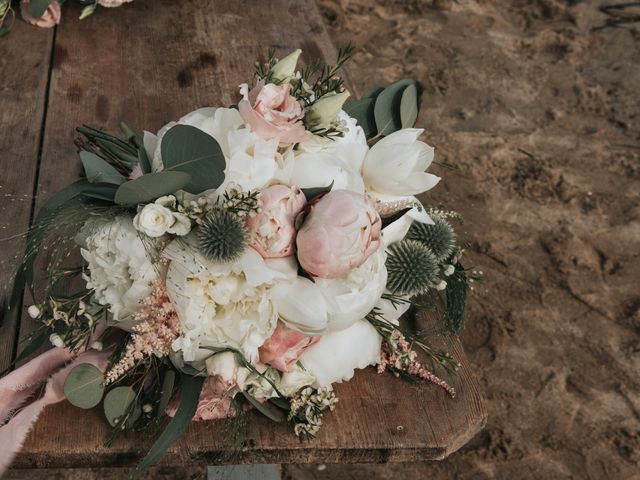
[121,273]
[336,356]
[352,296]
[156,219]
[396,165]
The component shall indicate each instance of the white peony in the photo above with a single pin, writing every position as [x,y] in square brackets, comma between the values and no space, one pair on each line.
[156,219]
[301,306]
[222,305]
[352,296]
[336,356]
[121,273]
[396,165]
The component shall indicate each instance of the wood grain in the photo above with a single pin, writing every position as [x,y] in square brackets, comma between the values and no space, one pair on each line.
[148,63]
[24,71]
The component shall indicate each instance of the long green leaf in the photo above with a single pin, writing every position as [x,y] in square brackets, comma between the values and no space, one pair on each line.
[191,387]
[99,171]
[187,149]
[456,297]
[151,186]
[267,409]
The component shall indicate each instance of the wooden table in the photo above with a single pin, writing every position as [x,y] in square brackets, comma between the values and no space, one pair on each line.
[148,63]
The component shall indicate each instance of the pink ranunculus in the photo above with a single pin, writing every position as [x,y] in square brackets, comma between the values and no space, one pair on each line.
[50,18]
[284,347]
[272,112]
[341,230]
[214,403]
[272,232]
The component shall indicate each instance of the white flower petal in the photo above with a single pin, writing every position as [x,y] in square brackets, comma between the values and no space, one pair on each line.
[336,356]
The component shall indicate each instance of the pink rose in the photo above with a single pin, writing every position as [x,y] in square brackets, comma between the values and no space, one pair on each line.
[49,18]
[272,113]
[340,232]
[214,401]
[272,232]
[284,347]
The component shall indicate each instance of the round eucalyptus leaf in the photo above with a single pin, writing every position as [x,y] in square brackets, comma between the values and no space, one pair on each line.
[117,403]
[188,149]
[84,386]
[409,106]
[387,108]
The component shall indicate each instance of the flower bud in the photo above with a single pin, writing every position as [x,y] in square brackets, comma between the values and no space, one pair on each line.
[34,311]
[97,346]
[286,67]
[442,285]
[56,340]
[325,110]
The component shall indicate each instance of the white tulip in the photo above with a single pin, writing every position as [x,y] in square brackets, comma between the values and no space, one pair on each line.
[396,165]
[320,169]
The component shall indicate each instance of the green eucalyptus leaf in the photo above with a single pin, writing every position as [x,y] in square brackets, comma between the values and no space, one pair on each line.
[362,111]
[187,149]
[409,105]
[84,386]
[38,7]
[166,393]
[373,93]
[101,191]
[98,170]
[387,108]
[311,193]
[118,403]
[191,387]
[151,186]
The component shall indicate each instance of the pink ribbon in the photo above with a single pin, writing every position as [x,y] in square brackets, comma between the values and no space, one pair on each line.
[22,383]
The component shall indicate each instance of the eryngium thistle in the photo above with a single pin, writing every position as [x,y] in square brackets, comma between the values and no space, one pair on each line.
[439,237]
[222,236]
[412,268]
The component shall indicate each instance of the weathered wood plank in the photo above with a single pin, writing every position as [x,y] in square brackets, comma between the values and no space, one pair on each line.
[24,71]
[148,63]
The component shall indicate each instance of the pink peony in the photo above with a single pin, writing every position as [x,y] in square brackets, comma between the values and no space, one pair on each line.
[272,232]
[340,232]
[284,347]
[272,113]
[50,18]
[214,401]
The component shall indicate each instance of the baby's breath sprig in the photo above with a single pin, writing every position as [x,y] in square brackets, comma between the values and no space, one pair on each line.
[307,409]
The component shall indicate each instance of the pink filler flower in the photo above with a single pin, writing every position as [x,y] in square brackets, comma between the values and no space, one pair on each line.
[272,113]
[340,232]
[272,231]
[49,18]
[284,347]
[214,402]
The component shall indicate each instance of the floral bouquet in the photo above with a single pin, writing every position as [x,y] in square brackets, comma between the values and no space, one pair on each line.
[235,258]
[47,13]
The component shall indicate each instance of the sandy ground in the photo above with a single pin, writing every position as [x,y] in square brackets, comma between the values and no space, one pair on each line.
[539,115]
